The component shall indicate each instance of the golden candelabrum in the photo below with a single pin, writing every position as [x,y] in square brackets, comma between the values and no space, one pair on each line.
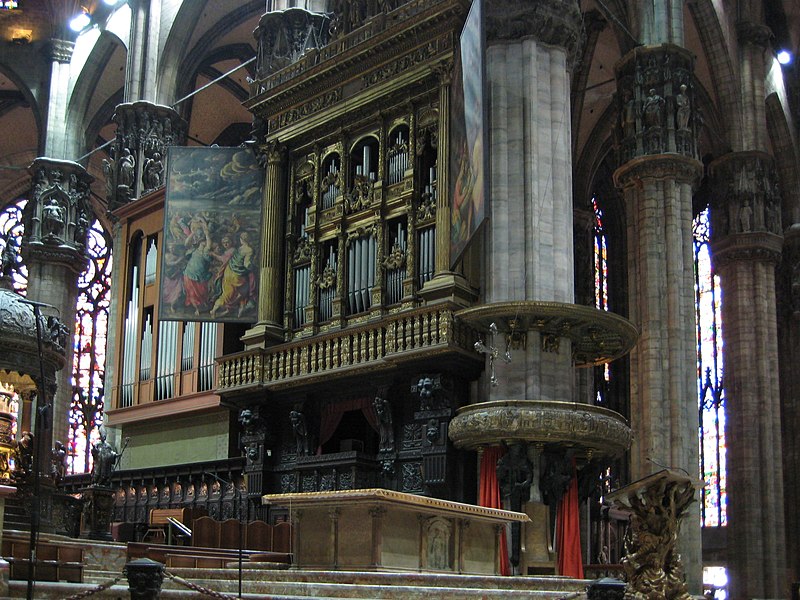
[7,442]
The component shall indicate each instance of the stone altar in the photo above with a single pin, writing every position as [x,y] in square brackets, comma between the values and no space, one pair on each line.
[384,530]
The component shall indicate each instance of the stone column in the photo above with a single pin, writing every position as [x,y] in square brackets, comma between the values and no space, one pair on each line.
[789,348]
[658,172]
[746,246]
[139,151]
[529,249]
[143,47]
[57,220]
[58,97]
[270,302]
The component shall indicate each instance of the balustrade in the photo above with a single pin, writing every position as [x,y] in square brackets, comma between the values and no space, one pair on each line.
[362,345]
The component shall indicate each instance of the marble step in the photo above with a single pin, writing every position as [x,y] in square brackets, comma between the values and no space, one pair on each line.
[380,586]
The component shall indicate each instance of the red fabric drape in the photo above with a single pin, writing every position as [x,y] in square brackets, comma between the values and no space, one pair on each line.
[568,535]
[332,415]
[489,496]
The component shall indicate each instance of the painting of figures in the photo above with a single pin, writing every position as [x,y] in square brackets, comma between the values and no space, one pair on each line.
[212,233]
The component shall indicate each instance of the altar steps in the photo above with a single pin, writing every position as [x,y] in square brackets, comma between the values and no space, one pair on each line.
[329,585]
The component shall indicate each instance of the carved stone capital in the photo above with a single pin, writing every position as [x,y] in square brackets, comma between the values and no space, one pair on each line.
[664,166]
[61,50]
[274,152]
[748,32]
[745,195]
[58,216]
[444,72]
[144,132]
[554,22]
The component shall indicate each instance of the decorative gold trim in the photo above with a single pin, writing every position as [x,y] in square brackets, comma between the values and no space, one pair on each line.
[582,426]
[320,499]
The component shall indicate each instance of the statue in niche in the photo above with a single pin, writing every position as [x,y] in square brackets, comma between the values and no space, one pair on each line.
[555,479]
[515,476]
[653,109]
[683,108]
[301,437]
[746,217]
[23,455]
[432,431]
[59,333]
[628,115]
[153,172]
[9,260]
[795,287]
[431,394]
[384,411]
[127,165]
[105,458]
[52,218]
[58,461]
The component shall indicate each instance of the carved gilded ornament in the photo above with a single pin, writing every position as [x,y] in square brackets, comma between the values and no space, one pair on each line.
[395,259]
[653,567]
[588,427]
[362,195]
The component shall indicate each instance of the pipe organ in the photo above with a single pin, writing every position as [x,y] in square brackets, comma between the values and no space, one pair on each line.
[130,335]
[187,346]
[373,201]
[146,348]
[166,359]
[208,351]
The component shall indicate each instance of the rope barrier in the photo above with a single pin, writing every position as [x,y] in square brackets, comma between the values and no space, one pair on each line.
[198,588]
[96,590]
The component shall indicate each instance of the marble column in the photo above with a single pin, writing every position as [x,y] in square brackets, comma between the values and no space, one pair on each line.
[657,176]
[789,349]
[56,220]
[269,328]
[58,97]
[528,240]
[746,247]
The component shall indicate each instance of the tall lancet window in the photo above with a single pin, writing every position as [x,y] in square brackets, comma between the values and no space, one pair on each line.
[89,358]
[711,393]
[11,230]
[602,373]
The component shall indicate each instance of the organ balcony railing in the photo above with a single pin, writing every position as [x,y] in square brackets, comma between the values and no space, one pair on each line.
[414,335]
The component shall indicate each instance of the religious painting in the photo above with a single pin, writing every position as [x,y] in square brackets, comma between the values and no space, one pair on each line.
[467,136]
[212,235]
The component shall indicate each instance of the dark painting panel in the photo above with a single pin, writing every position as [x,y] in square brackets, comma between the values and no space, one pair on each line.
[212,235]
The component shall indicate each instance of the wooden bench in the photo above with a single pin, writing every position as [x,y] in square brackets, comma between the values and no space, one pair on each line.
[54,562]
[158,523]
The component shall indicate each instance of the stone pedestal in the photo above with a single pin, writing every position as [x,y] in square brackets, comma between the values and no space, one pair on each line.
[98,502]
[145,577]
[657,503]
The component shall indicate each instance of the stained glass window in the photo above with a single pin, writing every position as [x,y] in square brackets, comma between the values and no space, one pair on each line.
[711,393]
[602,373]
[11,233]
[91,325]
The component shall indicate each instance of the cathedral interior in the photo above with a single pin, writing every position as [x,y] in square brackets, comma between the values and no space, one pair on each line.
[540,256]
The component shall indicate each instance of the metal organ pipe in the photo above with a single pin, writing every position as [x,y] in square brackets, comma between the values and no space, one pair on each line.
[187,356]
[129,345]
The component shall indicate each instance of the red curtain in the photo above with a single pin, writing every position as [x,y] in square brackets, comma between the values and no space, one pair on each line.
[332,415]
[568,535]
[489,496]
